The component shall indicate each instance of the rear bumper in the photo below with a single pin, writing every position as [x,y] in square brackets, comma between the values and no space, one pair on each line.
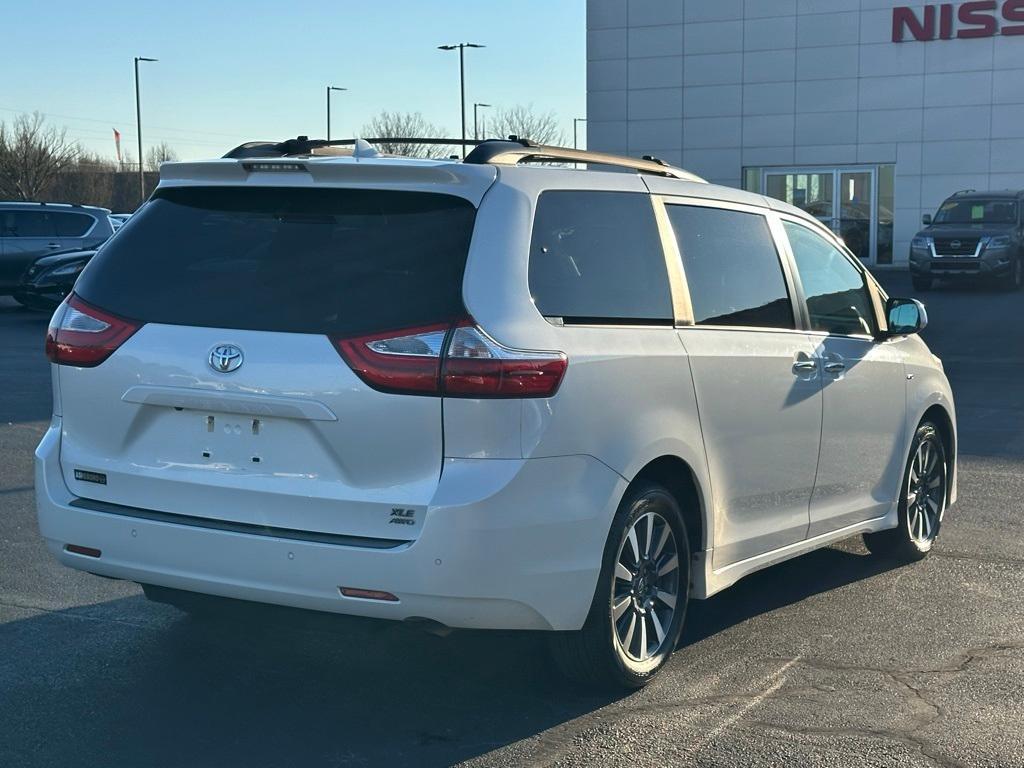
[506,544]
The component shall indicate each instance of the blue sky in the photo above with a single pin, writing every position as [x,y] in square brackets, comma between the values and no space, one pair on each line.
[233,71]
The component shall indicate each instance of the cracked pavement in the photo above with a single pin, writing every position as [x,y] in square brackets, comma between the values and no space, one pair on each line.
[832,659]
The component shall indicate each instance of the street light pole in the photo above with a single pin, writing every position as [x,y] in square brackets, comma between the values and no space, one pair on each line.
[476,124]
[462,82]
[329,89]
[138,127]
[575,122]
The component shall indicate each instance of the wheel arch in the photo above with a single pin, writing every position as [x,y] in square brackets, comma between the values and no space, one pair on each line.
[678,477]
[940,416]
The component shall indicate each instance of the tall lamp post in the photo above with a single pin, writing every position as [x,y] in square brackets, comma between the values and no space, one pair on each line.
[462,82]
[476,124]
[138,127]
[575,123]
[329,89]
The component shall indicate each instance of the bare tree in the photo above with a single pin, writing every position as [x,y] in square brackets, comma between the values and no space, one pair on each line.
[88,181]
[161,153]
[406,125]
[127,161]
[523,122]
[31,156]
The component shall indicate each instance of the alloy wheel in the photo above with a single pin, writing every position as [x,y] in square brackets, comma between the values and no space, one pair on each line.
[926,492]
[645,592]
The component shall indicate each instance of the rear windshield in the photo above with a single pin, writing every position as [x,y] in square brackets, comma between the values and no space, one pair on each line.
[335,261]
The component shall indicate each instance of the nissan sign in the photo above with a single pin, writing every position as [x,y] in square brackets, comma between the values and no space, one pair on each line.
[983,18]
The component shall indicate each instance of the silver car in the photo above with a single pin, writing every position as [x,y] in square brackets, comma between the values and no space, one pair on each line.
[483,394]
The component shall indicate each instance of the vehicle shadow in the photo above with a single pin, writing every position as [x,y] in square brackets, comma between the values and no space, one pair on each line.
[790,582]
[127,682]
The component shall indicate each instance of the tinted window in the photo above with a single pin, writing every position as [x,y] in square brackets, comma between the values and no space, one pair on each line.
[597,256]
[732,268]
[837,297]
[72,224]
[27,224]
[302,260]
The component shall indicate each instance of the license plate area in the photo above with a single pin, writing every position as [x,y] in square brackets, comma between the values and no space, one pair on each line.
[232,439]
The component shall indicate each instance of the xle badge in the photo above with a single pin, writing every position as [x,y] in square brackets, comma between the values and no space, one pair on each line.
[401,516]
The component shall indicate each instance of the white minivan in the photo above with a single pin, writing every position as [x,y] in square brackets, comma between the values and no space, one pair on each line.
[500,393]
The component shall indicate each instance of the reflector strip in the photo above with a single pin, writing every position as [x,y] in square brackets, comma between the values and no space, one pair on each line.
[78,549]
[368,594]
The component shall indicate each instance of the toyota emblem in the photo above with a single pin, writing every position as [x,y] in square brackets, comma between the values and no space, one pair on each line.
[225,358]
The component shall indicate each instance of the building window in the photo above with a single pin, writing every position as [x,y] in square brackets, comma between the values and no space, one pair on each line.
[856,202]
[886,209]
[752,180]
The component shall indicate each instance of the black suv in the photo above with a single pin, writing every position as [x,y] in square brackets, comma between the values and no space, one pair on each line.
[31,230]
[973,233]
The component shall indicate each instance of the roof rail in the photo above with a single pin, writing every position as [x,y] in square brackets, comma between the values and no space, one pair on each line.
[511,151]
[516,150]
[964,192]
[303,145]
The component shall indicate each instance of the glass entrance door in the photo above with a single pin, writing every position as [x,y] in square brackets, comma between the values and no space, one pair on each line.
[843,199]
[855,211]
[812,191]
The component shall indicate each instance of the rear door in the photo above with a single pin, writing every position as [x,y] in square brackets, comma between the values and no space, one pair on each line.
[29,234]
[863,387]
[76,229]
[232,400]
[757,382]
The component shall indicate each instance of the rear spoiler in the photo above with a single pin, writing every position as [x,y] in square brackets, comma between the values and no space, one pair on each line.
[443,177]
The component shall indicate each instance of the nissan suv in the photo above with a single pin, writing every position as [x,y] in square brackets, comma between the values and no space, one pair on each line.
[972,234]
[487,394]
[31,230]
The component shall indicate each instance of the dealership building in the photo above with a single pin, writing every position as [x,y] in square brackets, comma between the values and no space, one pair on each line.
[867,113]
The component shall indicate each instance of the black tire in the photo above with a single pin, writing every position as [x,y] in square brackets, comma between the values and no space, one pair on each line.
[901,543]
[1014,279]
[921,282]
[594,655]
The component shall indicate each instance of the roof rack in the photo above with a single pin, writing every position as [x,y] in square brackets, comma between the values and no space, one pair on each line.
[511,151]
[515,150]
[964,192]
[303,145]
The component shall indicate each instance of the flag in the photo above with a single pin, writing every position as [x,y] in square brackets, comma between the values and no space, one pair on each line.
[117,144]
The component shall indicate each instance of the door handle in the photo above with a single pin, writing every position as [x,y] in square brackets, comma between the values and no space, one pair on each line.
[53,245]
[835,366]
[805,366]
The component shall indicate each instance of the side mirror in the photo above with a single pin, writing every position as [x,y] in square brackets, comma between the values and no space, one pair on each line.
[906,316]
[927,219]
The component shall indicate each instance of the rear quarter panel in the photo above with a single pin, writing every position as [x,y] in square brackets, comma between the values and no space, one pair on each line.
[627,397]
[927,386]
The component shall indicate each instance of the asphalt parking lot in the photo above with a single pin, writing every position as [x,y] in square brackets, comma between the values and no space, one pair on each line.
[833,659]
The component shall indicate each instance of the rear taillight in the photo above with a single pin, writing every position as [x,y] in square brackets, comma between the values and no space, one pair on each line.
[451,360]
[478,366]
[406,361]
[83,335]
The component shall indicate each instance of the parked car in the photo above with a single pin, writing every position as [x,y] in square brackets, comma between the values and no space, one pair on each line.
[482,394]
[49,279]
[973,233]
[31,230]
